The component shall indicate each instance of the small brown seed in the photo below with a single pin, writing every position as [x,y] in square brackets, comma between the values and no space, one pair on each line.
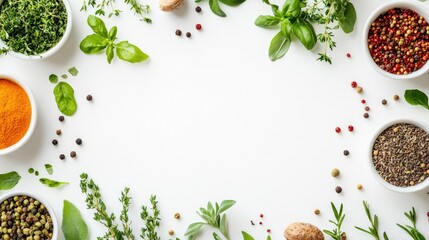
[338,189]
[73,154]
[188,34]
[396,97]
[55,142]
[335,172]
[317,211]
[61,118]
[170,232]
[367,108]
[346,152]
[359,186]
[59,132]
[89,98]
[178,32]
[384,101]
[62,156]
[177,215]
[359,89]
[79,141]
[366,115]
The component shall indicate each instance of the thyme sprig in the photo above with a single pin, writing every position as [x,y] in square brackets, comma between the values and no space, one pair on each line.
[126,223]
[336,233]
[101,6]
[152,221]
[373,230]
[412,230]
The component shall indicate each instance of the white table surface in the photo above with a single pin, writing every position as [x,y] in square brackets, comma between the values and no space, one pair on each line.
[212,118]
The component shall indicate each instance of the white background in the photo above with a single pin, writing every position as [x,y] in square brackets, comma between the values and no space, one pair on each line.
[212,118]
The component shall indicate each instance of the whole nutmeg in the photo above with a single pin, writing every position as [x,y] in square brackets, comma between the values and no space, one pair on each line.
[303,231]
[170,5]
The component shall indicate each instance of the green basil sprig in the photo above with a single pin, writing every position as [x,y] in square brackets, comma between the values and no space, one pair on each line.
[64,96]
[9,180]
[103,39]
[52,183]
[416,97]
[215,7]
[73,225]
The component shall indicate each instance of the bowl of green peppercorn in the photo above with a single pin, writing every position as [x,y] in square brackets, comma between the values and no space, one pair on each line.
[26,216]
[34,30]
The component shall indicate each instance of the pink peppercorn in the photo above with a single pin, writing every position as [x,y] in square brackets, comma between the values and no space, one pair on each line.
[363,101]
[260,223]
[348,55]
[198,27]
[351,128]
[354,84]
[268,230]
[337,129]
[261,215]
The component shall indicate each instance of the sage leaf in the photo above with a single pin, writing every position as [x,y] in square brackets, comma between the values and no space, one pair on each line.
[110,53]
[194,229]
[225,205]
[246,236]
[232,3]
[73,71]
[267,21]
[348,22]
[416,97]
[214,6]
[73,225]
[49,169]
[52,183]
[93,44]
[129,52]
[53,78]
[223,227]
[304,31]
[279,46]
[9,180]
[64,96]
[97,25]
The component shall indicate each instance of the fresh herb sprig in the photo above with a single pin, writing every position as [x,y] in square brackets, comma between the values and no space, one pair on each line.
[215,6]
[336,233]
[101,6]
[152,221]
[212,216]
[373,230]
[101,39]
[126,223]
[412,230]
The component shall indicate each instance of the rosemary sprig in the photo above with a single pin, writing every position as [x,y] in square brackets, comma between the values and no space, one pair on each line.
[412,230]
[336,233]
[126,223]
[152,221]
[373,230]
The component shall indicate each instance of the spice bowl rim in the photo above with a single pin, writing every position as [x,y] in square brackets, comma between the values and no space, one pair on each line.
[33,121]
[52,50]
[409,189]
[51,212]
[406,4]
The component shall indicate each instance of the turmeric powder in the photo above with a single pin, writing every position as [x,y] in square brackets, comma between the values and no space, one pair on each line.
[15,113]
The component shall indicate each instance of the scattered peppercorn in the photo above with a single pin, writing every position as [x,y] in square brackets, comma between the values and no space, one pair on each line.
[61,118]
[338,189]
[178,32]
[62,156]
[170,232]
[260,223]
[198,27]
[346,152]
[351,128]
[59,132]
[367,108]
[198,9]
[79,141]
[316,211]
[261,215]
[73,154]
[363,101]
[177,215]
[337,129]
[348,55]
[427,214]
[89,98]
[359,89]
[335,172]
[188,34]
[384,101]
[354,84]
[359,186]
[55,142]
[366,115]
[396,97]
[268,230]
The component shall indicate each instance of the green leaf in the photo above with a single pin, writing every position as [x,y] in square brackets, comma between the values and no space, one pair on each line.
[130,53]
[304,31]
[214,6]
[112,33]
[274,8]
[31,170]
[246,236]
[73,71]
[286,27]
[225,205]
[279,46]
[97,26]
[416,97]
[292,8]
[216,237]
[110,53]
[64,76]
[223,227]
[268,237]
[348,22]
[93,44]
[49,169]
[64,96]
[194,229]
[53,78]
[52,183]
[267,21]
[232,3]
[9,180]
[73,225]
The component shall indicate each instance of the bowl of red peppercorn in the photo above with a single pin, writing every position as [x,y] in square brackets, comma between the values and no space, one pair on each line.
[396,39]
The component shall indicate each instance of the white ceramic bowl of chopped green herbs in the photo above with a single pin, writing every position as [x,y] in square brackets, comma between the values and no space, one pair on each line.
[34,31]
[398,156]
[23,201]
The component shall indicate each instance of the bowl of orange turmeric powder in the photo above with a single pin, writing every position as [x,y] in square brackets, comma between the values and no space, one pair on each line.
[18,115]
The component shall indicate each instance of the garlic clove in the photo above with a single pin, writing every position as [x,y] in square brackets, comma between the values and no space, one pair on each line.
[170,5]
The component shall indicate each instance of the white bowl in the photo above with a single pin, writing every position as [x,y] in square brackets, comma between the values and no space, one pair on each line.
[418,187]
[54,49]
[41,200]
[413,5]
[33,120]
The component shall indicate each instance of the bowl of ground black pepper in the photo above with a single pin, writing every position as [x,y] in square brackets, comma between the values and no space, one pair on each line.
[33,30]
[396,39]
[399,156]
[26,216]
[18,113]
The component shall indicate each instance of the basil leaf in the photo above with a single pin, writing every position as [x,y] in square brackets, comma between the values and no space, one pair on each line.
[292,8]
[286,27]
[274,8]
[112,33]
[52,183]
[9,180]
[304,31]
[64,76]
[348,22]
[246,236]
[194,229]
[267,21]
[232,3]
[279,46]
[110,53]
[214,6]
[73,71]
[64,96]
[416,97]
[93,44]
[73,225]
[97,25]
[129,52]
[53,78]
[49,169]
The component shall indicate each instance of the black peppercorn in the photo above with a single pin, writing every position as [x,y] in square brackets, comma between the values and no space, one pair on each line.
[73,154]
[178,32]
[89,98]
[61,118]
[384,101]
[188,34]
[338,189]
[59,132]
[346,152]
[366,115]
[78,141]
[198,9]
[55,142]
[62,156]
[367,108]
